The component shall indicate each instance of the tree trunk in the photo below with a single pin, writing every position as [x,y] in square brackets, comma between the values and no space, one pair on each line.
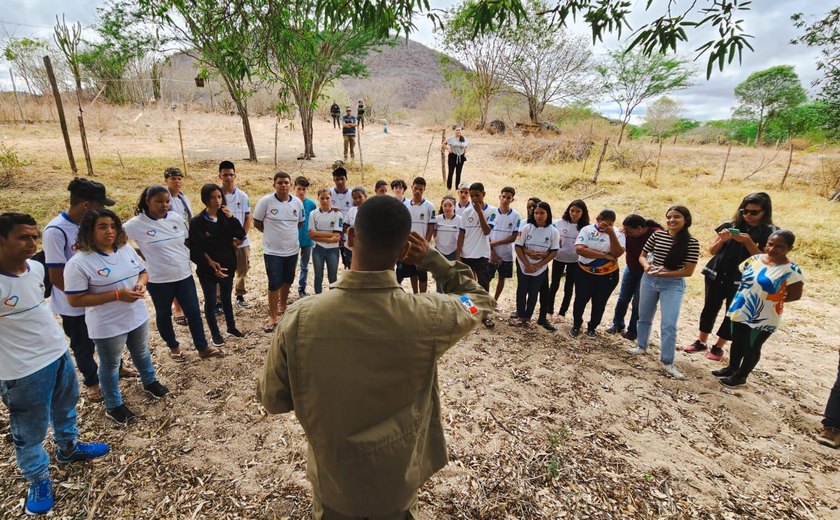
[532,112]
[790,159]
[306,117]
[620,132]
[60,107]
[242,108]
[156,72]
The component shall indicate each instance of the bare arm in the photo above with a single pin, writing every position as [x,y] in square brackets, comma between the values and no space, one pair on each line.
[460,247]
[485,227]
[259,225]
[57,277]
[794,292]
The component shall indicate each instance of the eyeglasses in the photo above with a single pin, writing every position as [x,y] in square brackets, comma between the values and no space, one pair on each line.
[752,212]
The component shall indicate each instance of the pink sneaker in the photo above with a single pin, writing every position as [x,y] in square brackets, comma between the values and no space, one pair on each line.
[697,346]
[715,354]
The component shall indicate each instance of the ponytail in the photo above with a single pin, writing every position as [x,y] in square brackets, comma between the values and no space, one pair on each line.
[148,193]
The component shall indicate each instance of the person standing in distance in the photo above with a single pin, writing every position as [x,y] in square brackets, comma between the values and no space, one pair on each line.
[456,145]
[348,131]
[371,408]
[360,114]
[240,205]
[37,382]
[335,113]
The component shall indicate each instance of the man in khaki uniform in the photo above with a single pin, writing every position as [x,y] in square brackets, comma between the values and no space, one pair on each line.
[358,365]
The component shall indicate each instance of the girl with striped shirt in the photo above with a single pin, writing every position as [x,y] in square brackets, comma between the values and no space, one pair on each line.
[668,258]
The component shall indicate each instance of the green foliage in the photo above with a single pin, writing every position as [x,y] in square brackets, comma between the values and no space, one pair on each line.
[25,56]
[768,93]
[662,116]
[825,35]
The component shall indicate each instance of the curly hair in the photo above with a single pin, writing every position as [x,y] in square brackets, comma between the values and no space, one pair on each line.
[85,240]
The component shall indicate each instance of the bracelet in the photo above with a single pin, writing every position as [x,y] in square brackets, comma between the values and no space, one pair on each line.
[117,295]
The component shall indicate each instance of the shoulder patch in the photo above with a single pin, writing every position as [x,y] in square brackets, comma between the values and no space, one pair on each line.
[468,304]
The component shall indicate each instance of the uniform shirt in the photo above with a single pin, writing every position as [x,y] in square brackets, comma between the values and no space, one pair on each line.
[94,272]
[358,365]
[460,210]
[660,244]
[31,337]
[280,220]
[594,239]
[342,201]
[476,243]
[326,221]
[422,215]
[181,205]
[351,221]
[540,239]
[303,231]
[568,234]
[351,132]
[240,205]
[760,299]
[505,226]
[59,241]
[163,243]
[446,233]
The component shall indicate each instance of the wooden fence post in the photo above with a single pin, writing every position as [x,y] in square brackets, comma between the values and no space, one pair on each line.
[725,162]
[443,156]
[600,160]
[85,148]
[61,119]
[181,139]
[276,125]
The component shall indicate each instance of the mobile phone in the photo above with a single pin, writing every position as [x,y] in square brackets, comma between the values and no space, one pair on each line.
[734,231]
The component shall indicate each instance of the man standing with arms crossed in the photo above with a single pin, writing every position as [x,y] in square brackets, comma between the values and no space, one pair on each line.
[240,205]
[369,402]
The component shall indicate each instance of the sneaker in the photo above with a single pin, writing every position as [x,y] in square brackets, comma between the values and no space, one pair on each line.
[488,322]
[629,336]
[120,415]
[240,302]
[733,381]
[636,351]
[723,372]
[715,354]
[217,339]
[513,315]
[615,330]
[236,333]
[591,334]
[544,323]
[83,451]
[671,370]
[499,309]
[40,500]
[574,332]
[156,390]
[697,346]
[829,436]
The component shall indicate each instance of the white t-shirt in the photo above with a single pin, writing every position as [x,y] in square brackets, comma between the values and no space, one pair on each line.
[31,338]
[59,240]
[422,215]
[540,239]
[162,243]
[476,243]
[568,235]
[326,221]
[446,234]
[97,273]
[594,239]
[342,201]
[181,205]
[280,220]
[505,226]
[460,210]
[240,205]
[351,220]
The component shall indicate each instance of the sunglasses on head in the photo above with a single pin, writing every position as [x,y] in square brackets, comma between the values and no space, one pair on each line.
[752,212]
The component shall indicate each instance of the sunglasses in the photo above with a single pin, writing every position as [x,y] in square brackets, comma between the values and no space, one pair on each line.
[752,212]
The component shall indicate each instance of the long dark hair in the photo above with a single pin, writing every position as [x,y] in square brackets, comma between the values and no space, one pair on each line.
[679,249]
[636,221]
[148,193]
[85,241]
[584,218]
[547,207]
[759,198]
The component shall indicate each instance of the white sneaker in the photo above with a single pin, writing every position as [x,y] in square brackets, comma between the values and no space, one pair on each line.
[671,370]
[636,351]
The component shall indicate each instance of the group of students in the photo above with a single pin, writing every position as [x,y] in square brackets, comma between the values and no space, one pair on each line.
[96,281]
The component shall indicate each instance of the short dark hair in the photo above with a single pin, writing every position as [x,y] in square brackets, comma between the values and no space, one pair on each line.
[84,240]
[339,172]
[399,183]
[477,186]
[606,214]
[208,190]
[226,165]
[535,200]
[281,175]
[785,235]
[300,180]
[547,207]
[382,225]
[11,219]
[419,181]
[379,184]
[509,189]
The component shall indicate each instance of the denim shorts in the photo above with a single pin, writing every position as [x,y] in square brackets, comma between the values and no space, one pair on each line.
[280,270]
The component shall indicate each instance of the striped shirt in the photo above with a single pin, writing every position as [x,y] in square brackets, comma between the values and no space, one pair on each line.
[660,244]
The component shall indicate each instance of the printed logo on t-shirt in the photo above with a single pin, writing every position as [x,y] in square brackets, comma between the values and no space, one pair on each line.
[104,272]
[273,211]
[422,217]
[470,219]
[11,301]
[468,304]
[151,232]
[294,212]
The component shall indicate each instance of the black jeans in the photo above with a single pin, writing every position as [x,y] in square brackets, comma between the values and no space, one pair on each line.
[184,290]
[746,348]
[83,348]
[456,164]
[527,291]
[209,283]
[336,124]
[832,407]
[716,294]
[596,288]
[557,271]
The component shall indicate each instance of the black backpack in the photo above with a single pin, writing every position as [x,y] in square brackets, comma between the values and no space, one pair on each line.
[41,258]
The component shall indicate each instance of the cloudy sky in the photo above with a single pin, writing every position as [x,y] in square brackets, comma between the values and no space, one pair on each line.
[768,21]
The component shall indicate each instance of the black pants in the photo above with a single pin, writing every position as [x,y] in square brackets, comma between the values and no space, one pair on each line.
[596,288]
[557,271]
[361,121]
[209,283]
[832,408]
[336,124]
[527,291]
[346,256]
[746,348]
[481,269]
[83,348]
[456,164]
[716,294]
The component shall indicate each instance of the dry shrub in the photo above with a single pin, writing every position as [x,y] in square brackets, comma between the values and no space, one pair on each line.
[827,177]
[800,143]
[634,159]
[10,163]
[546,151]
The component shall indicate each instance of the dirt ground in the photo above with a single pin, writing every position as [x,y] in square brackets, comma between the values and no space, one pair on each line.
[539,425]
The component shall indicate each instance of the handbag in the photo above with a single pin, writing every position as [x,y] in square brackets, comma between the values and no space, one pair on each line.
[711,269]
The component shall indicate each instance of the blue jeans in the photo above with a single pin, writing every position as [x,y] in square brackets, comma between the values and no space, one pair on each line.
[668,291]
[628,294]
[162,295]
[303,266]
[321,256]
[46,397]
[110,353]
